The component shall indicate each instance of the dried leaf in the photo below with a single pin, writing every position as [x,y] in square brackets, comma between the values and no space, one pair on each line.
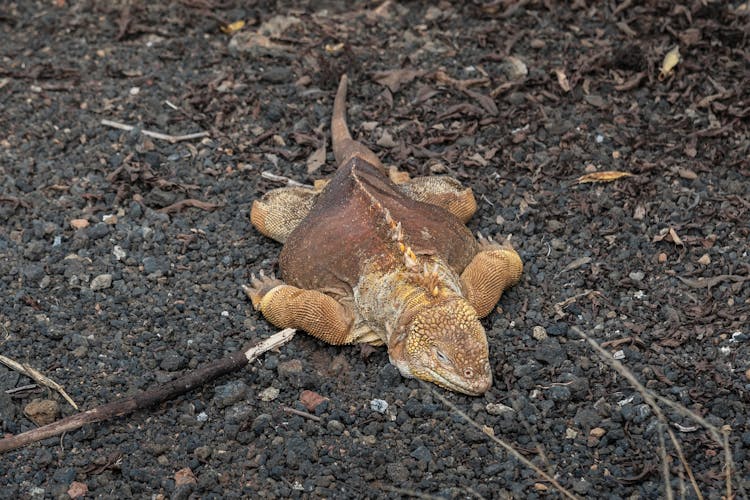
[396,78]
[317,159]
[233,27]
[462,85]
[668,234]
[386,140]
[632,82]
[562,79]
[487,102]
[607,176]
[184,476]
[675,239]
[712,282]
[334,49]
[686,173]
[671,59]
[476,159]
[190,202]
[581,261]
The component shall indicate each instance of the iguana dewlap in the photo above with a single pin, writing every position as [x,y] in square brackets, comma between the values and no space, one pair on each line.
[367,259]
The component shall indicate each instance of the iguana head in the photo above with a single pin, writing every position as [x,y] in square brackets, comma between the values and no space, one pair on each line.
[444,344]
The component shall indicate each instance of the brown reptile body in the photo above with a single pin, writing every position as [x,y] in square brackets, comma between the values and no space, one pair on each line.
[367,259]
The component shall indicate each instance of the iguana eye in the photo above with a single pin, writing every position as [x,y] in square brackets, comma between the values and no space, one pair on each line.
[442,357]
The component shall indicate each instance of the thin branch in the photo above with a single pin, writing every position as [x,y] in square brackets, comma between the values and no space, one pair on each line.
[651,398]
[156,135]
[405,492]
[151,397]
[22,388]
[301,413]
[38,377]
[280,178]
[528,463]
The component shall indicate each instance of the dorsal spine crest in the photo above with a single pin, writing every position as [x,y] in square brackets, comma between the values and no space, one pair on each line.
[397,235]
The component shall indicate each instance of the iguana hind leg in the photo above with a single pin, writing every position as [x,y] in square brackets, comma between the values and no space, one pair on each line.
[444,192]
[495,268]
[279,211]
[286,306]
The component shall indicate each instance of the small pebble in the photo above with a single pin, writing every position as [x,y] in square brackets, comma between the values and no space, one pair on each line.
[101,282]
[42,411]
[422,453]
[79,223]
[118,252]
[230,393]
[268,394]
[498,408]
[379,405]
[203,453]
[539,333]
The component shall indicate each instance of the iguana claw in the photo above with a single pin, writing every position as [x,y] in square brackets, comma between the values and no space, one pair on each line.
[259,287]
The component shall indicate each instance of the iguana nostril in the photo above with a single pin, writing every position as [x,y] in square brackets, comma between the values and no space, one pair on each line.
[468,373]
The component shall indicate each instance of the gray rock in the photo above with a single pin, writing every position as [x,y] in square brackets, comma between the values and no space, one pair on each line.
[397,472]
[422,453]
[550,352]
[153,264]
[203,453]
[101,282]
[230,393]
[261,423]
[33,272]
[335,427]
[97,231]
[559,393]
[287,369]
[172,361]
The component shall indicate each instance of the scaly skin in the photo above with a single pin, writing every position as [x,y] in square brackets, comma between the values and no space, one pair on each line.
[372,261]
[431,331]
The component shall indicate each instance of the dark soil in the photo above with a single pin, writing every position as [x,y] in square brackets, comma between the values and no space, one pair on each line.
[515,99]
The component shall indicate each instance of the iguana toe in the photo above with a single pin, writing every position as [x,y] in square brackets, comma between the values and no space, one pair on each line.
[260,286]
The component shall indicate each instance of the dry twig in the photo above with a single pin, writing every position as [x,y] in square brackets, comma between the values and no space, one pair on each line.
[149,398]
[301,413]
[651,398]
[38,377]
[504,444]
[155,135]
[280,178]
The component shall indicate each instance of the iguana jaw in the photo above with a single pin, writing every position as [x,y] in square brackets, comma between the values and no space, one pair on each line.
[444,344]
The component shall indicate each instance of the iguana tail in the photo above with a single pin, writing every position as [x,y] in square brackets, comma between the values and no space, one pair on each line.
[344,147]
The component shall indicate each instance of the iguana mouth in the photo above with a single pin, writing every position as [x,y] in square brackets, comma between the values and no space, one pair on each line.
[447,383]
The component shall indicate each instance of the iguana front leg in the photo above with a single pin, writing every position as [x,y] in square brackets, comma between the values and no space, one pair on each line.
[287,306]
[279,211]
[444,192]
[493,269]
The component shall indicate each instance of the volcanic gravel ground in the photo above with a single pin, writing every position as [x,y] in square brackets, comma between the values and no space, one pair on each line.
[122,255]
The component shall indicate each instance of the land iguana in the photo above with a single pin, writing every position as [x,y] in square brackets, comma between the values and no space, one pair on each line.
[375,257]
